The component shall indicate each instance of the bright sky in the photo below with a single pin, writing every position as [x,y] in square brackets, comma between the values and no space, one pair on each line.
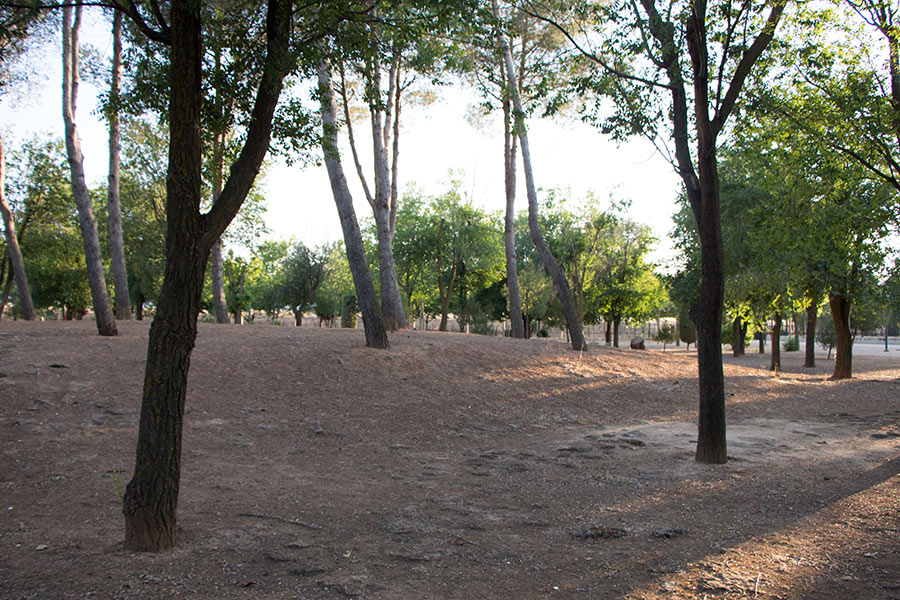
[434,141]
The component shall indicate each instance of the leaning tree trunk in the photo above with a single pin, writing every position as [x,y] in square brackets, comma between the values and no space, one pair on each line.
[775,361]
[843,357]
[106,324]
[812,312]
[17,263]
[560,283]
[151,497]
[376,334]
[116,244]
[509,229]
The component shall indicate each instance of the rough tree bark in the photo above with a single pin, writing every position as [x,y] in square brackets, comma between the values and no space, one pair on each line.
[122,303]
[702,189]
[376,334]
[509,223]
[812,313]
[775,359]
[843,347]
[106,324]
[17,263]
[560,283]
[151,497]
[217,277]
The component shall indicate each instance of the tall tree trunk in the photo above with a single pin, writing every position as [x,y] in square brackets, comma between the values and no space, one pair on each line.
[106,324]
[775,362]
[738,336]
[761,336]
[376,335]
[812,312]
[560,283]
[122,302]
[391,303]
[608,335]
[843,357]
[139,306]
[217,277]
[17,263]
[298,318]
[509,229]
[151,497]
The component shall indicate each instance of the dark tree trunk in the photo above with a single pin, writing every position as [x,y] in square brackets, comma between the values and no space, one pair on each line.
[151,497]
[139,307]
[738,336]
[812,312]
[843,355]
[775,362]
[376,335]
[298,318]
[608,335]
[122,304]
[761,336]
[615,328]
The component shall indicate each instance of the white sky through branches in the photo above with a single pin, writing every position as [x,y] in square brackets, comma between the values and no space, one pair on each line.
[437,143]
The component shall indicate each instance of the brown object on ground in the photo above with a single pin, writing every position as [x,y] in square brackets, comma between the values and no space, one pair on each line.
[637,343]
[451,466]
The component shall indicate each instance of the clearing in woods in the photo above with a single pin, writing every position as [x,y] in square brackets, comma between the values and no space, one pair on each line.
[451,466]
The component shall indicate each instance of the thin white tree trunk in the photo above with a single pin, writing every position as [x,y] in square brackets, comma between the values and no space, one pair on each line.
[391,302]
[106,324]
[216,270]
[116,244]
[12,245]
[573,321]
[517,326]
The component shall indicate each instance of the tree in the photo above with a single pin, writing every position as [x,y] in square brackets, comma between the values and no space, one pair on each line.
[561,285]
[666,334]
[17,263]
[376,335]
[303,272]
[116,243]
[151,495]
[646,46]
[106,324]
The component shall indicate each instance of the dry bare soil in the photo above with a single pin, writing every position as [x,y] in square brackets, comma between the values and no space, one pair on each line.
[450,466]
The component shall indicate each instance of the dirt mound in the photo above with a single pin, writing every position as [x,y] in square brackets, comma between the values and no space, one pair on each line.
[451,466]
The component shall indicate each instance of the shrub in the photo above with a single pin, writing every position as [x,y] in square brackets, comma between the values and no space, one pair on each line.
[791,344]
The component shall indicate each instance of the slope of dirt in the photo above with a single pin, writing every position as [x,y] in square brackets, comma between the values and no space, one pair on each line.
[450,466]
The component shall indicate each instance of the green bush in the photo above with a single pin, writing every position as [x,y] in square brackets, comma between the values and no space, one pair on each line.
[349,308]
[791,344]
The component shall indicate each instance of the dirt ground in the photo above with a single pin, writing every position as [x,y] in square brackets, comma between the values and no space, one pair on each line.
[450,466]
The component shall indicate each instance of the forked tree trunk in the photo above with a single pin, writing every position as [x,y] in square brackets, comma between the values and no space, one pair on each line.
[738,336]
[151,497]
[17,263]
[843,348]
[509,223]
[560,283]
[376,335]
[106,324]
[812,312]
[122,302]
[775,362]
